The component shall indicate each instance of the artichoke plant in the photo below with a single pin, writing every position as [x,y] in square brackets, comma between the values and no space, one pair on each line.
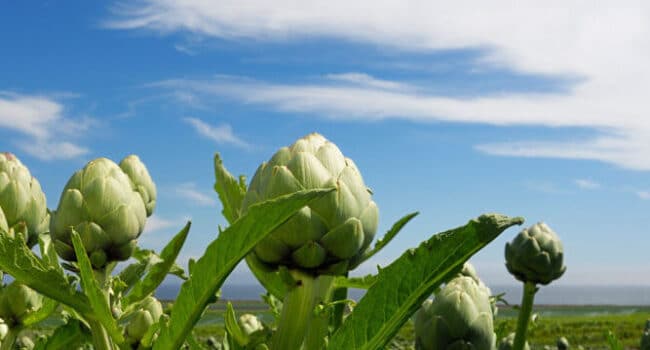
[22,202]
[108,206]
[17,301]
[331,233]
[142,320]
[536,255]
[507,343]
[459,317]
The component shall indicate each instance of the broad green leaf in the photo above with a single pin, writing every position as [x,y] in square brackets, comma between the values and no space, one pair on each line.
[49,306]
[21,263]
[98,300]
[68,336]
[130,276]
[364,282]
[269,278]
[232,327]
[402,286]
[159,270]
[381,243]
[230,190]
[48,253]
[221,257]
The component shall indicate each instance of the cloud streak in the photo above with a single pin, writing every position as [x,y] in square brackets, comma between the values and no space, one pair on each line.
[222,134]
[604,46]
[46,131]
[189,191]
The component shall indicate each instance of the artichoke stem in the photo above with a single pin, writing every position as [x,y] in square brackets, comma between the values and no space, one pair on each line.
[101,340]
[298,322]
[10,338]
[524,315]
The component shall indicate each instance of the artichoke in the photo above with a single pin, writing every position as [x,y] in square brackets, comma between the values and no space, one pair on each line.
[458,318]
[17,301]
[508,342]
[332,233]
[468,270]
[536,255]
[24,343]
[107,205]
[143,319]
[562,343]
[250,324]
[23,208]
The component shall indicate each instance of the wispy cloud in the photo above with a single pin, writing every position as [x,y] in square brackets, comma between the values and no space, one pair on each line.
[46,132]
[221,134]
[587,184]
[644,195]
[368,81]
[157,223]
[189,191]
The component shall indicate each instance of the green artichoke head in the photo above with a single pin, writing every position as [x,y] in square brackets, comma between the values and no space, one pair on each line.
[468,270]
[508,342]
[106,207]
[536,255]
[23,204]
[17,301]
[332,233]
[459,317]
[143,319]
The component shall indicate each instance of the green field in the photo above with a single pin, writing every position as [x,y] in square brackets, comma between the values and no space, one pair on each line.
[581,325]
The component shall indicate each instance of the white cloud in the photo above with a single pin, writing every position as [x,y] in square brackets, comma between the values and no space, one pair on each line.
[44,128]
[189,191]
[587,184]
[643,194]
[604,45]
[157,223]
[221,134]
[365,80]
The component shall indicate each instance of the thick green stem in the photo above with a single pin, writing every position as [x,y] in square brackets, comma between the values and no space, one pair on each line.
[298,322]
[101,340]
[339,294]
[10,338]
[524,315]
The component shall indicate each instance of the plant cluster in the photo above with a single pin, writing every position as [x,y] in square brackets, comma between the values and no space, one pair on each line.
[302,224]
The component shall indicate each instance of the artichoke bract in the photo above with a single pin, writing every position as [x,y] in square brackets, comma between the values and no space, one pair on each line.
[333,232]
[143,319]
[536,255]
[17,301]
[22,202]
[459,317]
[106,206]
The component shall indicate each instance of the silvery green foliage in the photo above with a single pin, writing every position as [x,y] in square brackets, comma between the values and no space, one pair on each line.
[645,337]
[334,231]
[507,343]
[459,317]
[22,202]
[17,301]
[148,315]
[562,343]
[536,255]
[106,206]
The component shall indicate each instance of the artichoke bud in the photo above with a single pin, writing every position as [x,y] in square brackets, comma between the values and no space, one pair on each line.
[508,342]
[250,324]
[17,301]
[24,343]
[536,255]
[106,206]
[458,318]
[562,343]
[333,231]
[143,319]
[24,208]
[468,270]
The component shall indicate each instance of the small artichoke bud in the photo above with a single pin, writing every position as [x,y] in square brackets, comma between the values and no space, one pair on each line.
[23,203]
[24,343]
[645,337]
[143,319]
[329,234]
[562,343]
[250,324]
[508,342]
[536,255]
[137,172]
[458,318]
[106,208]
[4,329]
[17,301]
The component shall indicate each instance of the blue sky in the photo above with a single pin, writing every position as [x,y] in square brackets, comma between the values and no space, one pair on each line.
[451,111]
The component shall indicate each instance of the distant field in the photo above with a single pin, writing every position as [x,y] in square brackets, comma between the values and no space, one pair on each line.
[581,325]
